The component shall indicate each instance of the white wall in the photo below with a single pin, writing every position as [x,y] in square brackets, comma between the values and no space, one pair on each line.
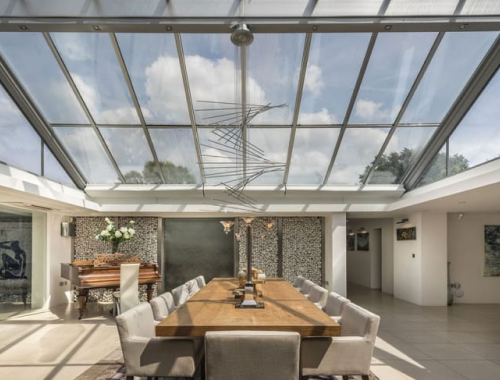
[466,254]
[360,263]
[335,252]
[59,251]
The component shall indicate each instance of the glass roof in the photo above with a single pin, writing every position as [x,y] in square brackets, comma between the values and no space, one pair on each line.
[354,108]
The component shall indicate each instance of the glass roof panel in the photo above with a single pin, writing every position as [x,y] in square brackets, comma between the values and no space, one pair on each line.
[153,66]
[436,169]
[212,63]
[332,69]
[312,153]
[175,149]
[477,137]
[453,64]
[394,64]
[359,148]
[92,62]
[31,59]
[53,170]
[20,145]
[131,152]
[404,148]
[90,157]
[221,164]
[273,68]
[271,144]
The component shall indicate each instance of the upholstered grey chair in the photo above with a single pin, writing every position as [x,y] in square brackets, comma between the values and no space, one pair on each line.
[160,309]
[250,355]
[201,281]
[349,354]
[169,301]
[318,296]
[180,294]
[297,283]
[335,305]
[150,356]
[306,287]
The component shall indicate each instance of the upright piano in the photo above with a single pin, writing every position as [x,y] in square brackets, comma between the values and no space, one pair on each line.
[84,276]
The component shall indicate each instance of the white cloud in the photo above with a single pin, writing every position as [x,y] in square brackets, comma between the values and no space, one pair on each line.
[320,117]
[370,111]
[313,81]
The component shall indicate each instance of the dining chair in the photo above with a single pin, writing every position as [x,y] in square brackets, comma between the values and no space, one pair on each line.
[128,295]
[349,354]
[335,305]
[297,283]
[180,294]
[250,355]
[169,301]
[318,295]
[201,281]
[306,287]
[146,355]
[160,309]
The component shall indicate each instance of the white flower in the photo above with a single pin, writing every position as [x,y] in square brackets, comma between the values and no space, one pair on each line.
[106,220]
[97,237]
[123,230]
[110,227]
[131,231]
[132,222]
[118,234]
[126,235]
[104,233]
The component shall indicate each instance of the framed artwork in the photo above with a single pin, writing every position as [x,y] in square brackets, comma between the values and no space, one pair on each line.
[409,233]
[350,242]
[491,251]
[363,240]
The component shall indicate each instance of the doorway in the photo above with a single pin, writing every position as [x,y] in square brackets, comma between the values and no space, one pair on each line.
[376,259]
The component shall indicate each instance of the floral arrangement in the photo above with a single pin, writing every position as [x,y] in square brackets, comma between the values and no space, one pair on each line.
[114,235]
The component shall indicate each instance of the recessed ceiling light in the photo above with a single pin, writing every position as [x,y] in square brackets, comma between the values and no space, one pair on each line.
[315,27]
[23,27]
[388,27]
[463,26]
[168,27]
[96,27]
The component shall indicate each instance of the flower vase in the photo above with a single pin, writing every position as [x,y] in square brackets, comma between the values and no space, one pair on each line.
[114,247]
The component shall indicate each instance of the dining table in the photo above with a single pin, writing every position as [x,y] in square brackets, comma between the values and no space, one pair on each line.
[214,308]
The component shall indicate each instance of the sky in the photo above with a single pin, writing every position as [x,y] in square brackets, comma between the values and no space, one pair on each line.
[273,71]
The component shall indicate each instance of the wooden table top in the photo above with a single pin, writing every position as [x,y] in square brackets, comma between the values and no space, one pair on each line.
[212,309]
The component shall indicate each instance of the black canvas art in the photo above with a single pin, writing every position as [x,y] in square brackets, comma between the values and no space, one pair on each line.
[363,240]
[350,242]
[409,233]
[491,251]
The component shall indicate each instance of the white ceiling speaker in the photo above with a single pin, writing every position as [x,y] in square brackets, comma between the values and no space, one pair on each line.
[241,36]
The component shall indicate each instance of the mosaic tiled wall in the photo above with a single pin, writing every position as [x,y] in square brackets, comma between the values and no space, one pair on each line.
[144,243]
[264,246]
[302,248]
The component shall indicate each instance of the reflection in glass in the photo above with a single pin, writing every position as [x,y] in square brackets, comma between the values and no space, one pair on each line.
[177,154]
[90,157]
[20,145]
[404,148]
[477,136]
[394,64]
[436,169]
[91,60]
[31,60]
[312,153]
[131,152]
[153,66]
[332,69]
[273,142]
[53,170]
[456,59]
[274,62]
[212,64]
[357,151]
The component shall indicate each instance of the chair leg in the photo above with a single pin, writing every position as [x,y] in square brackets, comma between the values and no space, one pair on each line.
[130,377]
[365,377]
[345,377]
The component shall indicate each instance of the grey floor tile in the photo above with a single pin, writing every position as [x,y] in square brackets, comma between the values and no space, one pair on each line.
[425,370]
[474,369]
[446,351]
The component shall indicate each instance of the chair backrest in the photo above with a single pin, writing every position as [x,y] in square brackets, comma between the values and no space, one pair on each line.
[138,321]
[299,280]
[159,307]
[306,287]
[129,286]
[201,281]
[357,321]
[250,355]
[181,294]
[335,304]
[318,295]
[169,301]
[193,287]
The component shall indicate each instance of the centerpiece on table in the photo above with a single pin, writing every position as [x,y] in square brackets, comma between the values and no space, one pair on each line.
[116,235]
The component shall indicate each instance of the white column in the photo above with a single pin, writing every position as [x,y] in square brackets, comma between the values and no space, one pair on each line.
[335,252]
[39,279]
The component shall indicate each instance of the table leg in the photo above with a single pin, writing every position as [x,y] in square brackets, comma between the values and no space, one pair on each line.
[82,301]
[149,291]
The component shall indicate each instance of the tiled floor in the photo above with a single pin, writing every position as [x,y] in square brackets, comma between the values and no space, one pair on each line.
[458,342]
